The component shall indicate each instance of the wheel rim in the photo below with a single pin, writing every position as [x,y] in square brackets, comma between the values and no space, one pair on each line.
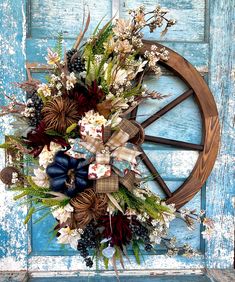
[209,146]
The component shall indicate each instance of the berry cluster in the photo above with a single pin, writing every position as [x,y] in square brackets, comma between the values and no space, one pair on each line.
[141,232]
[34,101]
[87,241]
[75,65]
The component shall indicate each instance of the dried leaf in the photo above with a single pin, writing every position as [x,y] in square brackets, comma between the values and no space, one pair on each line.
[114,202]
[82,33]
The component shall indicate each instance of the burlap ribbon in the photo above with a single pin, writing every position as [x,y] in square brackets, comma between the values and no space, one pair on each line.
[112,152]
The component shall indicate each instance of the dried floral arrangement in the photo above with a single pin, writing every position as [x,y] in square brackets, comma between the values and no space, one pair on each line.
[76,154]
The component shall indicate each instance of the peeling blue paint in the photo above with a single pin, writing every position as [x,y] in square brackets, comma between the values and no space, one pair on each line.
[23,249]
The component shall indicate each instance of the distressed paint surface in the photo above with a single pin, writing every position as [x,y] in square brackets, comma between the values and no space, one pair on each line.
[13,233]
[66,15]
[183,123]
[220,200]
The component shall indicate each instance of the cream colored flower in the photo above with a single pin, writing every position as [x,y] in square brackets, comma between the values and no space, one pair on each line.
[63,213]
[120,77]
[120,103]
[69,236]
[93,118]
[46,157]
[140,18]
[44,90]
[109,45]
[40,177]
[122,27]
[52,57]
[123,46]
[71,81]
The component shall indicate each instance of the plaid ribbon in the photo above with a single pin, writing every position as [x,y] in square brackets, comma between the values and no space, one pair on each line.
[118,139]
[113,150]
[128,180]
[107,185]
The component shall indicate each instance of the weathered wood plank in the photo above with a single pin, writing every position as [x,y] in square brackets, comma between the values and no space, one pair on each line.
[196,53]
[128,278]
[220,186]
[13,233]
[49,17]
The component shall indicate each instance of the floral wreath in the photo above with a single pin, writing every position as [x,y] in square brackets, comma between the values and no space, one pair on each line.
[83,152]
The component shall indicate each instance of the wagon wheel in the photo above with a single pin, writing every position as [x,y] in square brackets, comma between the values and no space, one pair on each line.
[208,148]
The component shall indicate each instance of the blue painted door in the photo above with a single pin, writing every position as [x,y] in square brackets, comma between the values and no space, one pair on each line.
[201,35]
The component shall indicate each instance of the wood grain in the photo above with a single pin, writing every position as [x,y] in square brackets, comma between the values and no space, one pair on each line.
[155,174]
[174,143]
[210,120]
[167,108]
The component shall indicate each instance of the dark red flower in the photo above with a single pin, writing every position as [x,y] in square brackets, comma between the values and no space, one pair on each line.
[87,98]
[120,233]
[37,138]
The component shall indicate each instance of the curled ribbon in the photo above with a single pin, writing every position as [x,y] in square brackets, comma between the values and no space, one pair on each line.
[110,161]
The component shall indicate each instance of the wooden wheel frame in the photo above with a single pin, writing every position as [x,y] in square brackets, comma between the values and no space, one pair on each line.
[209,146]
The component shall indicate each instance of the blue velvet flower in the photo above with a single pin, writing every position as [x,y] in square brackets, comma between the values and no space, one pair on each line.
[68,175]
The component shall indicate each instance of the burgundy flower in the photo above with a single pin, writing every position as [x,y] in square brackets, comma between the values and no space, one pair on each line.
[87,98]
[120,233]
[37,138]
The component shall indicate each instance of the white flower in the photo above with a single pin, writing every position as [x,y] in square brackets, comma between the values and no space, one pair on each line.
[44,90]
[69,236]
[46,157]
[95,118]
[114,120]
[120,103]
[120,77]
[71,80]
[54,78]
[15,178]
[63,213]
[58,86]
[40,177]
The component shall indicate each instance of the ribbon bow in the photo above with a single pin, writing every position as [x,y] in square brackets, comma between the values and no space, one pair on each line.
[111,160]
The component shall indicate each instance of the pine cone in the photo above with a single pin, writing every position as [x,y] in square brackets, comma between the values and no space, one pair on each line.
[88,206]
[59,114]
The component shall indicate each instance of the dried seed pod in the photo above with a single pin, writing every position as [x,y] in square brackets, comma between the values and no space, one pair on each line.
[6,174]
[59,114]
[88,206]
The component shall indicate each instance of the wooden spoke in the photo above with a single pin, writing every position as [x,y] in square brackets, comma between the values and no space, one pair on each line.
[154,172]
[175,143]
[210,124]
[167,108]
[133,113]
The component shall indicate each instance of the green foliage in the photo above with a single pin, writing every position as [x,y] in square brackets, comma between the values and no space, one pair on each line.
[103,36]
[6,145]
[136,250]
[59,44]
[71,128]
[39,198]
[151,204]
[106,262]
[29,215]
[53,133]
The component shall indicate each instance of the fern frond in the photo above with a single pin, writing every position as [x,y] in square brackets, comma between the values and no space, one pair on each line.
[59,44]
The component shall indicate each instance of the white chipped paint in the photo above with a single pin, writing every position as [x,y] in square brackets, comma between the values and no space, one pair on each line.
[84,273]
[12,263]
[224,226]
[75,263]
[24,29]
